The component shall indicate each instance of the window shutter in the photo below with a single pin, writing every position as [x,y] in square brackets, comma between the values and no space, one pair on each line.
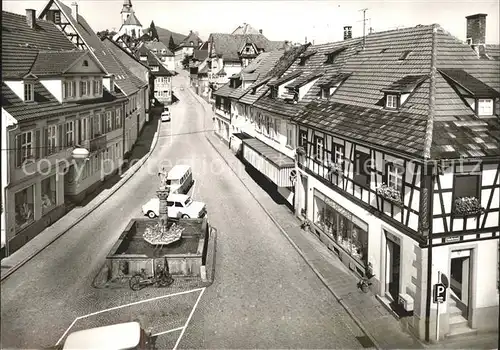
[113,120]
[60,137]
[78,127]
[19,152]
[103,123]
[64,131]
[91,120]
[38,144]
[46,141]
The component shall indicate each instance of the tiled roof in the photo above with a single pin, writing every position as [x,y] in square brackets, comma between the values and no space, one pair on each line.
[406,84]
[285,78]
[400,131]
[159,46]
[153,61]
[400,61]
[97,47]
[223,91]
[128,63]
[46,105]
[493,51]
[228,45]
[329,80]
[303,80]
[245,29]
[132,20]
[21,44]
[54,63]
[278,67]
[192,37]
[200,55]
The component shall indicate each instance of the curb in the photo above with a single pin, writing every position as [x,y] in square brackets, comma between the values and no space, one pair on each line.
[128,174]
[315,270]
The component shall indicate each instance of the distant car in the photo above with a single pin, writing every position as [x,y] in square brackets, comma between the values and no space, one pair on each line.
[165,116]
[178,206]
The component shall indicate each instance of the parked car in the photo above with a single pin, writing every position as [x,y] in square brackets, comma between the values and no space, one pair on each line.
[178,206]
[165,116]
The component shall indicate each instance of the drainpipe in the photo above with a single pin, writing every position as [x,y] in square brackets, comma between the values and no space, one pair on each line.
[426,202]
[4,195]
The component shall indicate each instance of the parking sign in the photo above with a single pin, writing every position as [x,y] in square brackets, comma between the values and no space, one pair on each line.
[439,293]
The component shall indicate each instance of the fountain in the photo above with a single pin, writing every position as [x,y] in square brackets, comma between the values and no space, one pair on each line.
[178,245]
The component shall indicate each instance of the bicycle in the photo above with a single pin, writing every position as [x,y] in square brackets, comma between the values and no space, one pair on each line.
[140,280]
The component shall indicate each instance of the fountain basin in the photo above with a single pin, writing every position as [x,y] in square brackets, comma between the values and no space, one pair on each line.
[185,257]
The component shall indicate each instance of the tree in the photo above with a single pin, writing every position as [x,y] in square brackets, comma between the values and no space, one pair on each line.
[153,33]
[185,62]
[171,44]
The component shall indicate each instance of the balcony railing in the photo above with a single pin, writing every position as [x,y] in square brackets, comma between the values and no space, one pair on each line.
[98,143]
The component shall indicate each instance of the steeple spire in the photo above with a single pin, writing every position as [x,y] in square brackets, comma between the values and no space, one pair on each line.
[127,6]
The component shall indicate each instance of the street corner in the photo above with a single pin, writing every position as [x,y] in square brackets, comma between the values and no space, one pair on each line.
[165,317]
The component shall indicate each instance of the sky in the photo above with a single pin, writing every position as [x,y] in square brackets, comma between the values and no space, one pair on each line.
[315,21]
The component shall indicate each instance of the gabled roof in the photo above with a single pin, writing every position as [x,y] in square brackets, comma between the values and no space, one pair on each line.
[160,47]
[21,44]
[199,55]
[153,61]
[329,80]
[97,48]
[132,20]
[192,37]
[49,63]
[493,51]
[285,78]
[245,29]
[303,80]
[228,46]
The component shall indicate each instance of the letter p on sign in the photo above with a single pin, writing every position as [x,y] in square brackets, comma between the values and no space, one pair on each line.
[439,293]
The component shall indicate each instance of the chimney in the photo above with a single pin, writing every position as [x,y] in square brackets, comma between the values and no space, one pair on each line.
[31,17]
[287,46]
[347,32]
[476,29]
[260,31]
[74,11]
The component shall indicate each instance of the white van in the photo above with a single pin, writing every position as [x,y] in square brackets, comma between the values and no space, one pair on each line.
[121,336]
[178,206]
[180,179]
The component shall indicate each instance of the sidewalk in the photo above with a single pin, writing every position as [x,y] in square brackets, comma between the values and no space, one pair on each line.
[372,317]
[146,140]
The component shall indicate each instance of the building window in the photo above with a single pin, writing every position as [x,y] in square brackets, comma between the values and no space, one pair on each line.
[73,89]
[319,147]
[466,186]
[268,122]
[24,145]
[290,136]
[118,117]
[394,176]
[391,101]
[362,165]
[345,229]
[83,129]
[485,107]
[109,122]
[29,92]
[96,125]
[50,140]
[70,133]
[48,194]
[277,123]
[83,88]
[303,139]
[337,154]
[57,17]
[88,82]
[274,92]
[24,201]
[85,63]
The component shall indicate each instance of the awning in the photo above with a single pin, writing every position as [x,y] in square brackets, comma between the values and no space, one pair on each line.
[278,167]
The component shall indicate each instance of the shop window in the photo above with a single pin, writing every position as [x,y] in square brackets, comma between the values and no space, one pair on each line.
[24,202]
[48,194]
[347,230]
[362,167]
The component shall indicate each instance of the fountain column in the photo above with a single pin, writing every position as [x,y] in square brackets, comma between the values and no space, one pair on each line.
[162,194]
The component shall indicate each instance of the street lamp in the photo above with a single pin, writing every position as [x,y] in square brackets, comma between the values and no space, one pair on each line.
[80,153]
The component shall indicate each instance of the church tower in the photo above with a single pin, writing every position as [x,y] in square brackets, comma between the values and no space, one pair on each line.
[126,10]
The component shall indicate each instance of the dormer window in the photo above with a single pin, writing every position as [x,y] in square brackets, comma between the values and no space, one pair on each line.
[485,106]
[29,92]
[404,55]
[85,63]
[391,101]
[330,56]
[274,92]
[325,92]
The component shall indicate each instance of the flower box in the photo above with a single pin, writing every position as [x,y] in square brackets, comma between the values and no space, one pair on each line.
[467,206]
[391,194]
[335,168]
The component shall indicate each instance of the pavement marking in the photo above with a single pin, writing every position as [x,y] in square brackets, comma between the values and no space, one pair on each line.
[169,331]
[189,319]
[130,304]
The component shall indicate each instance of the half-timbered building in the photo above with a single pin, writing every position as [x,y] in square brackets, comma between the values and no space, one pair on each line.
[398,163]
[55,98]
